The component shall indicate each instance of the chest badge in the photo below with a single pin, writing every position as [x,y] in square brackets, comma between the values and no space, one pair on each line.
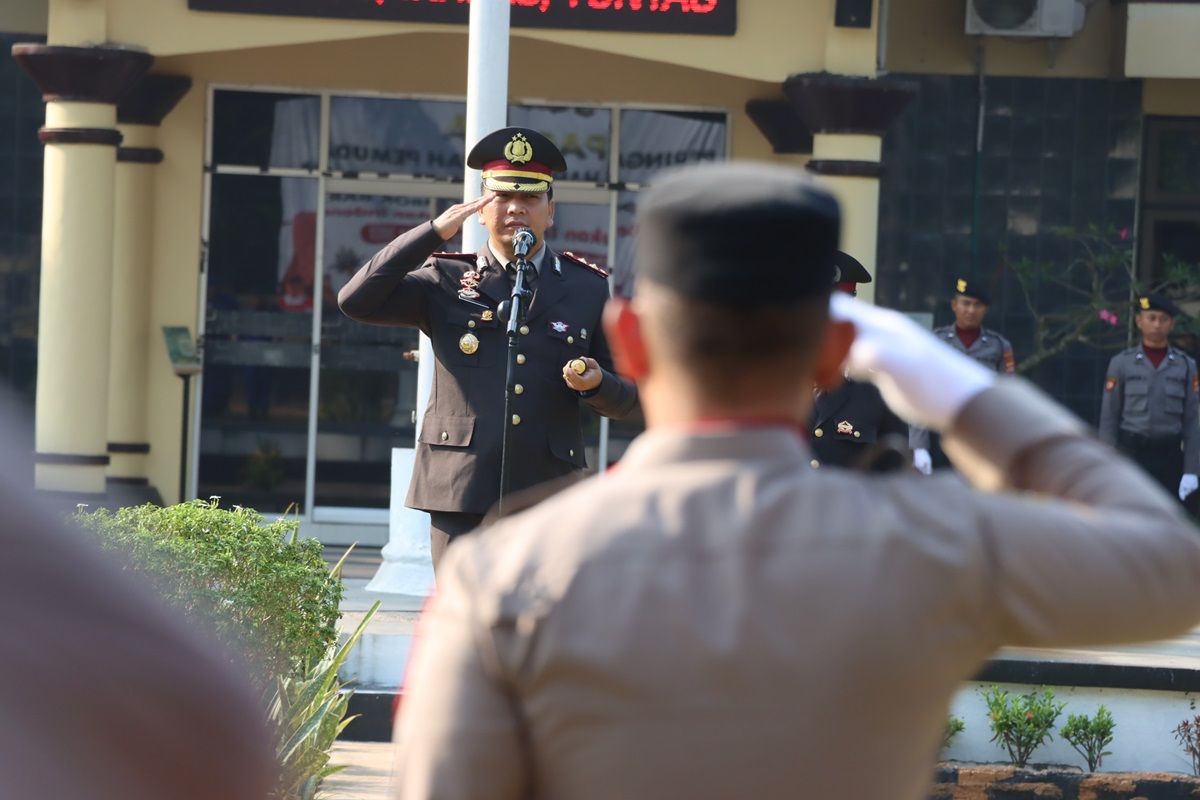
[583,333]
[487,316]
[845,427]
[559,327]
[469,283]
[468,343]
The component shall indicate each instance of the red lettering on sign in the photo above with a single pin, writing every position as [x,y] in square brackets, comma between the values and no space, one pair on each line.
[380,233]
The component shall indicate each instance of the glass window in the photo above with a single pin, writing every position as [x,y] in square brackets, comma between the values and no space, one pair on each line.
[368,381]
[422,138]
[582,134]
[254,404]
[1179,163]
[652,141]
[266,129]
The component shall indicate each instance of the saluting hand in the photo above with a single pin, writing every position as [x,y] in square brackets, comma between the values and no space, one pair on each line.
[582,381]
[451,220]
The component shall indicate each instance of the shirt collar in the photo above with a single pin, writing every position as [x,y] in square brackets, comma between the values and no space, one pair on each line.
[535,259]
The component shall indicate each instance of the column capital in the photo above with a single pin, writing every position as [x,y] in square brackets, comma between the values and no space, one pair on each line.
[842,104]
[81,74]
[151,98]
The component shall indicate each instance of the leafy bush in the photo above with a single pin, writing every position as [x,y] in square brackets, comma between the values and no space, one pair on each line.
[1187,733]
[266,593]
[1090,735]
[954,726]
[308,713]
[1021,724]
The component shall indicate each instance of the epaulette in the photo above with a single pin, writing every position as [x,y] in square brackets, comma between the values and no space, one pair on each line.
[601,271]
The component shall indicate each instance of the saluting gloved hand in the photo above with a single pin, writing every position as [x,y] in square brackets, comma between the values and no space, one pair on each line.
[922,461]
[1187,485]
[920,378]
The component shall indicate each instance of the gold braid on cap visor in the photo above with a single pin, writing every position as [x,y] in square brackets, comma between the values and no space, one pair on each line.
[541,181]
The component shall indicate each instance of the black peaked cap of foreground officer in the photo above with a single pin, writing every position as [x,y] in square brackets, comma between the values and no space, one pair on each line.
[706,620]
[454,299]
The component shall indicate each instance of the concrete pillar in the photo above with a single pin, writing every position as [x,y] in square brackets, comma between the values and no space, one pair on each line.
[81,86]
[139,113]
[848,117]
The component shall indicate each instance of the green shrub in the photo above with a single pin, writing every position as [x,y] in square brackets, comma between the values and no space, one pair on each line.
[265,592]
[1090,735]
[1021,724]
[954,726]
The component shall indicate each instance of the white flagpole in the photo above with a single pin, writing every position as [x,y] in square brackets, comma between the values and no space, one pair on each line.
[406,567]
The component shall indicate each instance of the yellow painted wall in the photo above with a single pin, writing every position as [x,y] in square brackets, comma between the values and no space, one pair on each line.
[928,36]
[425,64]
[24,16]
[1164,40]
[774,39]
[1171,97]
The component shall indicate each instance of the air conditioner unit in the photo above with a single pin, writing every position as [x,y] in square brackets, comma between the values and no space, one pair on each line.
[1045,18]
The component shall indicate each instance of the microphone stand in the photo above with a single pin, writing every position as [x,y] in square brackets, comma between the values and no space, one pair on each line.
[514,315]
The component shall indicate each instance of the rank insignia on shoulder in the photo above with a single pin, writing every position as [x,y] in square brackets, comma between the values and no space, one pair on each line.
[559,327]
[601,271]
[1110,384]
[845,427]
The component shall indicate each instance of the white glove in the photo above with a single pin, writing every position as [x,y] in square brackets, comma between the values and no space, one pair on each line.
[1187,485]
[920,378]
[922,461]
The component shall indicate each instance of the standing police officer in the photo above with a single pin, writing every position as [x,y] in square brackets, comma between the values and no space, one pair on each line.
[1150,406]
[967,335]
[851,426]
[454,299]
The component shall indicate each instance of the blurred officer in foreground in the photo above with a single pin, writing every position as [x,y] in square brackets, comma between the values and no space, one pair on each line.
[1151,407]
[967,335]
[713,618]
[106,694]
[851,426]
[454,299]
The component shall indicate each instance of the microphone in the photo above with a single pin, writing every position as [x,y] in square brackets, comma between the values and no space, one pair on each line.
[523,241]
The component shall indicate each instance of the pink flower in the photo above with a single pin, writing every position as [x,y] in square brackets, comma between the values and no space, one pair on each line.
[1109,317]
[1124,233]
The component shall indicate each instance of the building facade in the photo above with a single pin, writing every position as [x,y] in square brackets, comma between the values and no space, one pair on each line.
[225,171]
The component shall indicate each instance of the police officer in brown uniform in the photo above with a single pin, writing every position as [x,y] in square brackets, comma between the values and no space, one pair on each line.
[851,426]
[1150,406]
[967,335]
[454,299]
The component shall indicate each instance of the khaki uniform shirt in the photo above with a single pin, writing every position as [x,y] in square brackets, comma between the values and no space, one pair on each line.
[715,619]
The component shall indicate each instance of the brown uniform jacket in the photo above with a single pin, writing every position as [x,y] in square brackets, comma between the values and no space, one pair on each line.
[458,452]
[715,619]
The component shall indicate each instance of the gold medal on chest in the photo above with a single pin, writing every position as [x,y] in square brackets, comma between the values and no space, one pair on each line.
[468,343]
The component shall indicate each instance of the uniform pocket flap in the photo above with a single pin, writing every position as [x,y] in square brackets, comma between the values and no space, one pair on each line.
[448,431]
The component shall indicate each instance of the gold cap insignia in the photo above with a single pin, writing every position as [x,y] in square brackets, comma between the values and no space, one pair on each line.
[962,285]
[519,150]
[468,343]
[1145,303]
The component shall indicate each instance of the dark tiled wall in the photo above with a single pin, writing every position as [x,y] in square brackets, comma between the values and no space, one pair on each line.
[21,114]
[1056,152]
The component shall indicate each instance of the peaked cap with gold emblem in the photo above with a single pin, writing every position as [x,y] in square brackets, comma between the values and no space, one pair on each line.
[516,160]
[1153,301]
[973,289]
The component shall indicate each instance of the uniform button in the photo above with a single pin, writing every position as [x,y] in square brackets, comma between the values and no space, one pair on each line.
[516,419]
[445,436]
[818,433]
[857,434]
[470,323]
[524,329]
[571,453]
[570,340]
[518,388]
[520,358]
[814,463]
